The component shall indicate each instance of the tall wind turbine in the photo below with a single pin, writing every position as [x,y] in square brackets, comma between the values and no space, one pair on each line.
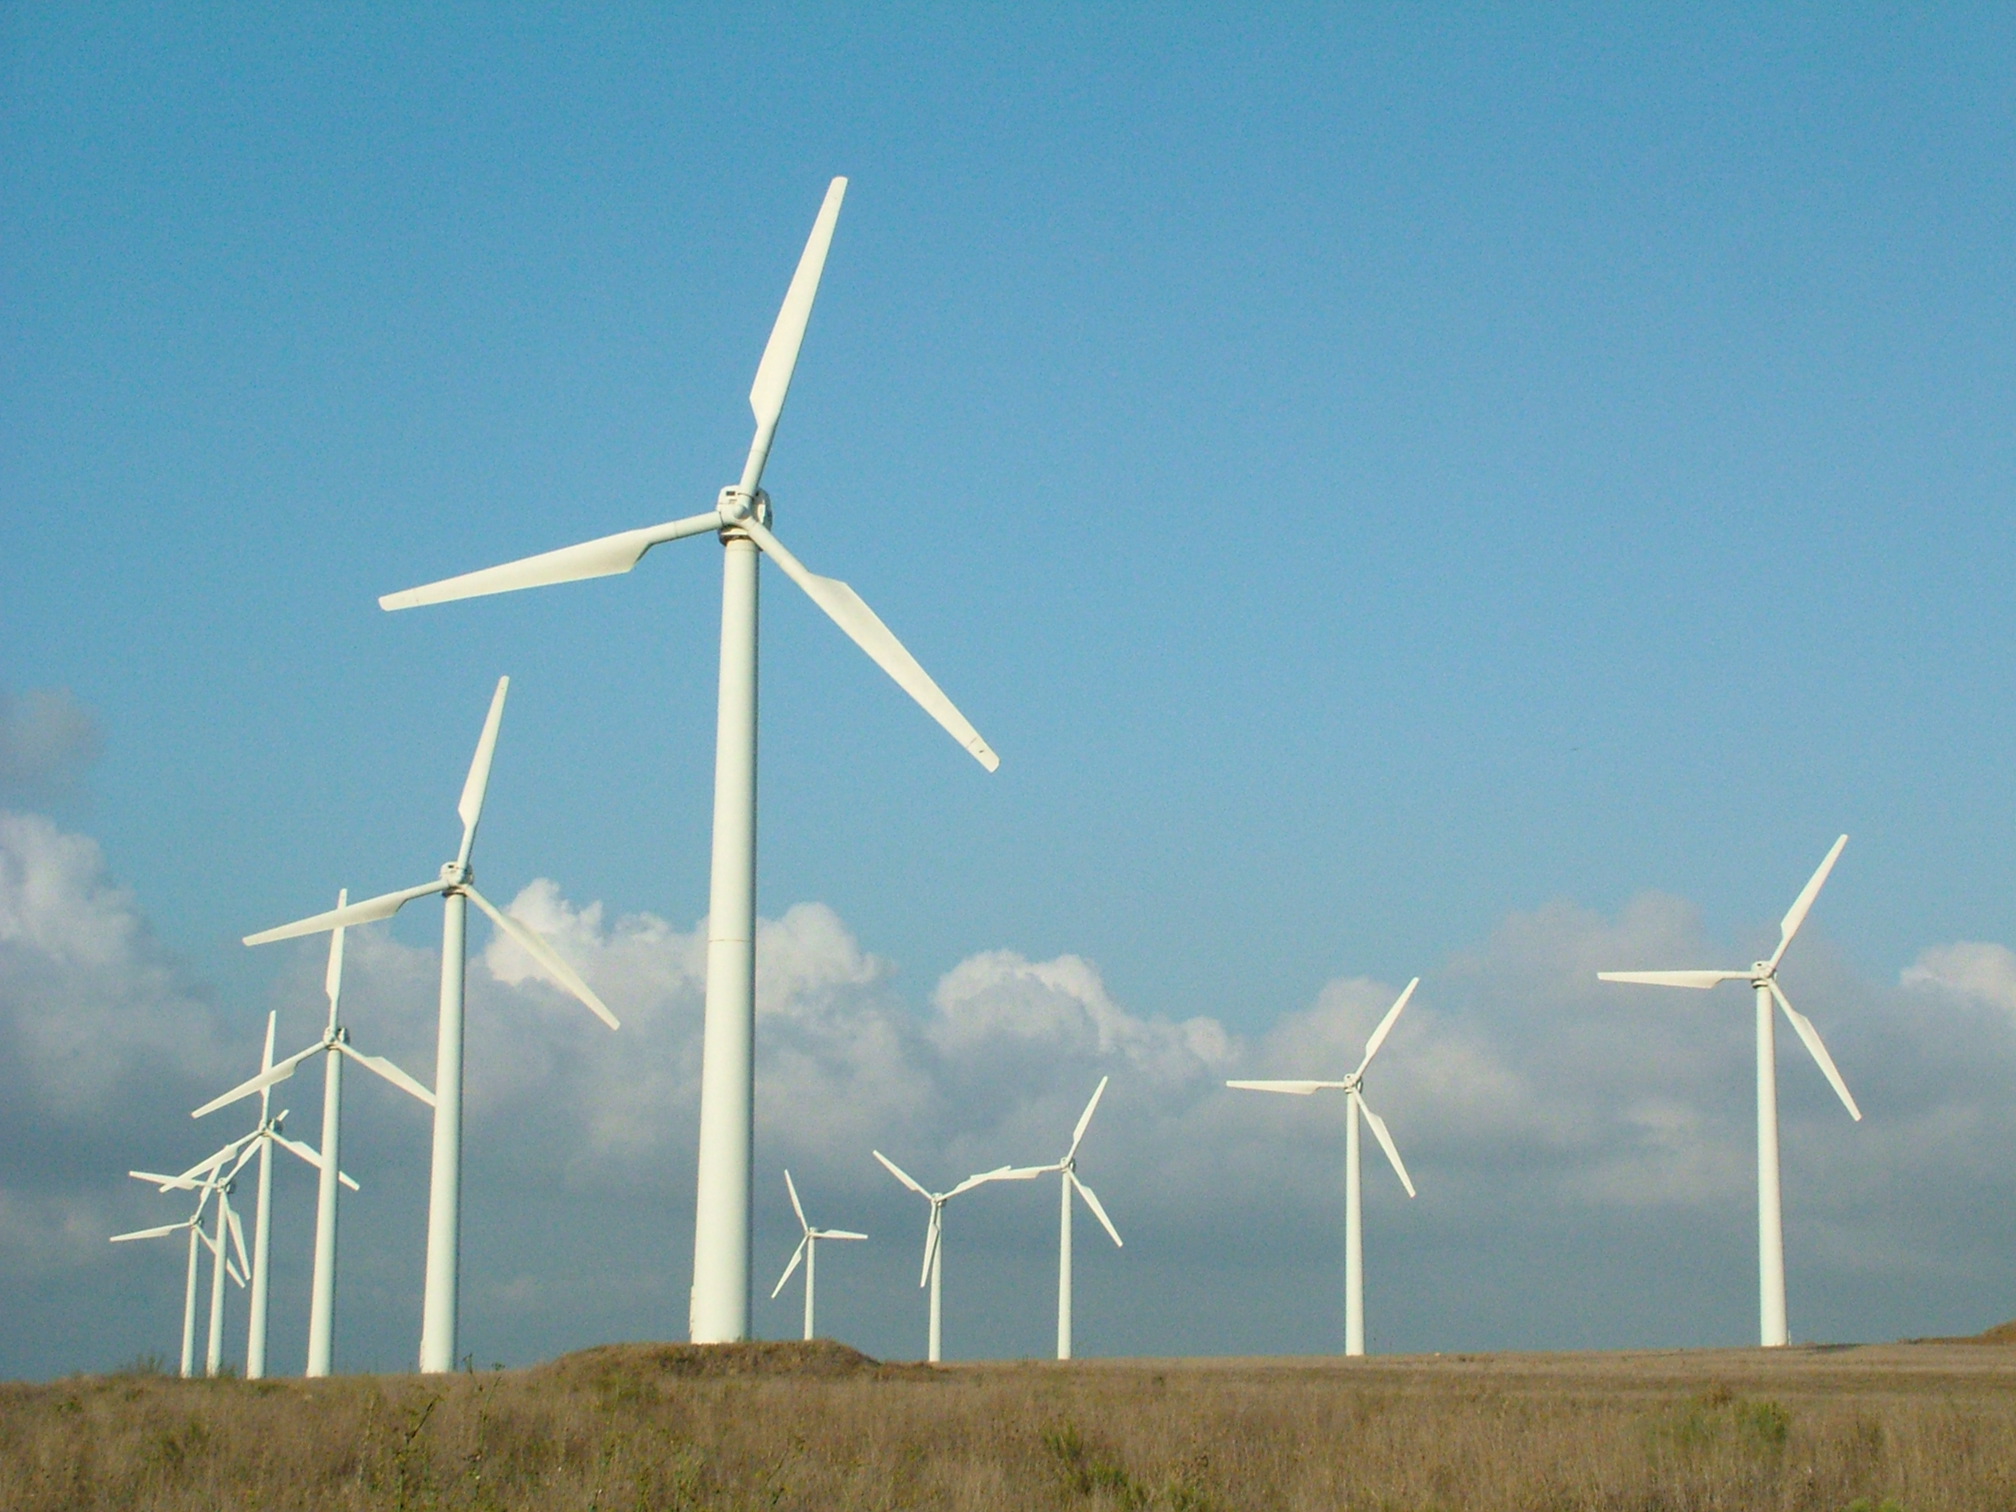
[808,1251]
[934,1229]
[208,1178]
[193,1224]
[335,1044]
[457,885]
[1068,1168]
[1354,1216]
[1763,979]
[719,1309]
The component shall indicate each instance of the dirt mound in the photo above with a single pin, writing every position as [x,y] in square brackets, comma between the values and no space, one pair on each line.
[819,1358]
[2001,1333]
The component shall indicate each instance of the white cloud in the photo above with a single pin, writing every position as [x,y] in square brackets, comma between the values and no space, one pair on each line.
[1968,969]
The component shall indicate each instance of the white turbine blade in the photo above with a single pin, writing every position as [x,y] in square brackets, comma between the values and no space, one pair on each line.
[931,1240]
[332,978]
[796,1207]
[796,1255]
[836,1234]
[900,1174]
[469,809]
[237,1238]
[1293,1088]
[369,911]
[170,1183]
[153,1233]
[780,353]
[386,1069]
[1002,1173]
[1803,904]
[1092,1201]
[546,957]
[278,1073]
[307,1152]
[1386,1143]
[591,559]
[845,608]
[237,1276]
[1700,979]
[1085,1118]
[1386,1025]
[1811,1036]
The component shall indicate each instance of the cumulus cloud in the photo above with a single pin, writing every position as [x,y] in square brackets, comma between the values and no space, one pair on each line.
[47,739]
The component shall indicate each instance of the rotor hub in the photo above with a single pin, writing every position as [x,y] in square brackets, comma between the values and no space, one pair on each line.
[737,506]
[457,874]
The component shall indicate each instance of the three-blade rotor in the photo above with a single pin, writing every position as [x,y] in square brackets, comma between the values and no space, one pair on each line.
[1764,974]
[812,1235]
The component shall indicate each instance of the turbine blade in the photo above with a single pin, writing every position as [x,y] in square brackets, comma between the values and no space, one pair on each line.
[332,978]
[237,1276]
[901,1175]
[369,911]
[265,1079]
[1001,1173]
[1386,1025]
[1700,979]
[1092,1201]
[845,608]
[170,1183]
[931,1241]
[347,1180]
[1085,1118]
[796,1207]
[1811,1036]
[836,1234]
[306,1152]
[1803,904]
[386,1069]
[1386,1143]
[1294,1088]
[780,353]
[796,1255]
[547,958]
[153,1233]
[602,557]
[469,809]
[237,1237]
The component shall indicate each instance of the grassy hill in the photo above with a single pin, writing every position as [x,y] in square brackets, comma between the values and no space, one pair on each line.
[1924,1427]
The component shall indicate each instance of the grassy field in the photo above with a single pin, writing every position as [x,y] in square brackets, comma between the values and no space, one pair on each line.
[1928,1427]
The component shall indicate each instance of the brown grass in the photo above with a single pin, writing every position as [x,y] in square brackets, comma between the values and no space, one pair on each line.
[1923,1427]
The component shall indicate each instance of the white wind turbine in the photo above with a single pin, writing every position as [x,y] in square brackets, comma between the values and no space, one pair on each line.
[205,1178]
[266,1134]
[1354,1217]
[719,1309]
[808,1251]
[335,1044]
[934,1229]
[457,885]
[1763,978]
[1068,1168]
[193,1224]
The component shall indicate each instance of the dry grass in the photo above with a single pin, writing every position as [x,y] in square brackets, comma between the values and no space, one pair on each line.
[1926,1427]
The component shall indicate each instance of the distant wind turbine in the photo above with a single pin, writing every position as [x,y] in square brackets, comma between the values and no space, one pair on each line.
[1068,1167]
[934,1229]
[1354,1218]
[1763,978]
[211,1177]
[335,1044]
[808,1251]
[457,885]
[719,1308]
[193,1224]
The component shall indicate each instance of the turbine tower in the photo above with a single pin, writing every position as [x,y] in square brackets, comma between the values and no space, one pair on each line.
[1354,1216]
[719,1306]
[335,1044]
[808,1251]
[934,1229]
[1763,979]
[457,885]
[1068,1168]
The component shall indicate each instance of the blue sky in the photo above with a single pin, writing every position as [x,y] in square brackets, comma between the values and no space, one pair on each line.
[1371,475]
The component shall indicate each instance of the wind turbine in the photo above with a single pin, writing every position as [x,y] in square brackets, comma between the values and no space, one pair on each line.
[205,1178]
[335,1044]
[808,1250]
[1763,978]
[194,1226]
[934,1248]
[1068,1167]
[1354,1217]
[719,1308]
[457,885]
